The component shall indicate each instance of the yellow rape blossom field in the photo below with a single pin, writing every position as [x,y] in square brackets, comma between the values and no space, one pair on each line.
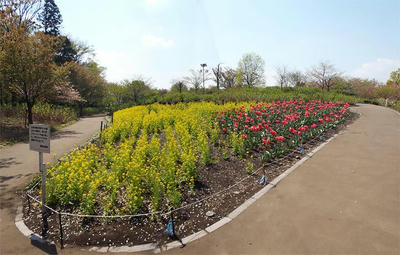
[148,154]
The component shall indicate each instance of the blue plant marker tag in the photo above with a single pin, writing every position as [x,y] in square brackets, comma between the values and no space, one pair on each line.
[320,138]
[302,149]
[262,180]
[170,228]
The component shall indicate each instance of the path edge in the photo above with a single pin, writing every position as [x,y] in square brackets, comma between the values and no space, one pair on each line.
[19,222]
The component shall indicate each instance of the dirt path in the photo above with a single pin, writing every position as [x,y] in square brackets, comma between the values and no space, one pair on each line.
[17,167]
[344,200]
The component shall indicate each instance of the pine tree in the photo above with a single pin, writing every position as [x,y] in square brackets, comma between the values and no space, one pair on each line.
[66,53]
[51,18]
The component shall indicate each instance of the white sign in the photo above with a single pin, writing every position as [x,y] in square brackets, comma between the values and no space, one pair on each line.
[39,138]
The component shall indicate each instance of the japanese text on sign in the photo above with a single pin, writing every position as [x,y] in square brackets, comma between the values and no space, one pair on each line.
[39,138]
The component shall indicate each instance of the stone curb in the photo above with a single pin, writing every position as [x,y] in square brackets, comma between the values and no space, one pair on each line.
[19,223]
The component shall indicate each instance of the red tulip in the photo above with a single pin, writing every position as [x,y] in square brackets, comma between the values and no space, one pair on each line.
[266,141]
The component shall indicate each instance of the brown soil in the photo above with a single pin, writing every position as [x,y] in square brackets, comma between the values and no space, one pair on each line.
[213,178]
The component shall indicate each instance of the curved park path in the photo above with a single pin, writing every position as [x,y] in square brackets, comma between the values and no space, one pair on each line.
[18,165]
[343,200]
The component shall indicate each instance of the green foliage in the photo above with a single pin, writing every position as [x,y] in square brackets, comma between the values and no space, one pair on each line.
[179,87]
[42,113]
[249,166]
[225,153]
[388,91]
[88,81]
[394,77]
[50,17]
[237,144]
[204,148]
[129,93]
[266,156]
[267,94]
[66,52]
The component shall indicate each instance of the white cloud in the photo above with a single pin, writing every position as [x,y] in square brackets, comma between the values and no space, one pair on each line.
[118,65]
[379,69]
[154,41]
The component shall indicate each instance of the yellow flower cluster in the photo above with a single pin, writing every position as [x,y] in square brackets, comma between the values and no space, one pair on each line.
[144,160]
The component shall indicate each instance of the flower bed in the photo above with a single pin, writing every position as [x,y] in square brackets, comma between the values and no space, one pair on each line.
[157,158]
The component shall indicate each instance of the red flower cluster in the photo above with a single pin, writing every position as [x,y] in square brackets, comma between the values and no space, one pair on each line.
[266,125]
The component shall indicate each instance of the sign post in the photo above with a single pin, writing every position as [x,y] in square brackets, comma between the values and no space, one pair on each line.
[39,140]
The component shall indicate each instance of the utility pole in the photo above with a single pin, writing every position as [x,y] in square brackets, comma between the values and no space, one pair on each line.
[203,65]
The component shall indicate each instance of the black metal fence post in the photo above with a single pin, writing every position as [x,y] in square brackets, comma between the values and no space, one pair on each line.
[45,223]
[61,231]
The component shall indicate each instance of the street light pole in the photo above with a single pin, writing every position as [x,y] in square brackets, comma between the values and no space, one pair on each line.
[203,65]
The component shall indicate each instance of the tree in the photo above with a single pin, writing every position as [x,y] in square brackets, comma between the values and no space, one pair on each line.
[363,87]
[116,96]
[137,90]
[218,78]
[19,14]
[239,78]
[394,78]
[251,67]
[282,76]
[323,75]
[50,17]
[87,79]
[389,91]
[66,52]
[27,65]
[195,79]
[343,86]
[296,79]
[228,75]
[16,17]
[66,93]
[84,52]
[178,86]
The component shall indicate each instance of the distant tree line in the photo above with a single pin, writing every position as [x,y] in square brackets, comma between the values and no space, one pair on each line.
[40,64]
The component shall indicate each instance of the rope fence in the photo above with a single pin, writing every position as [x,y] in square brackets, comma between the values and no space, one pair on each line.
[170,212]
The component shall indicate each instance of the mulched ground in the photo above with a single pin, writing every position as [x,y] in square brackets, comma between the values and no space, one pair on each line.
[213,178]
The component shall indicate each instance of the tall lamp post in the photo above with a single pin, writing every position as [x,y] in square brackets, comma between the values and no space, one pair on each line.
[203,65]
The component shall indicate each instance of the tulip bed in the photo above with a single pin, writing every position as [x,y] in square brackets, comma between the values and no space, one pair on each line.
[279,127]
[148,159]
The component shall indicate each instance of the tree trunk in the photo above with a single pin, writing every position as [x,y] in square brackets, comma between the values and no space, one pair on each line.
[1,94]
[29,107]
[80,110]
[13,99]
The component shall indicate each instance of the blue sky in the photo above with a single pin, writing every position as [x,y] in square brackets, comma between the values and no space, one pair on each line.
[163,39]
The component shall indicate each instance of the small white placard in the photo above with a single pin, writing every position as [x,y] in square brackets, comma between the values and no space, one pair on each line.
[39,138]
